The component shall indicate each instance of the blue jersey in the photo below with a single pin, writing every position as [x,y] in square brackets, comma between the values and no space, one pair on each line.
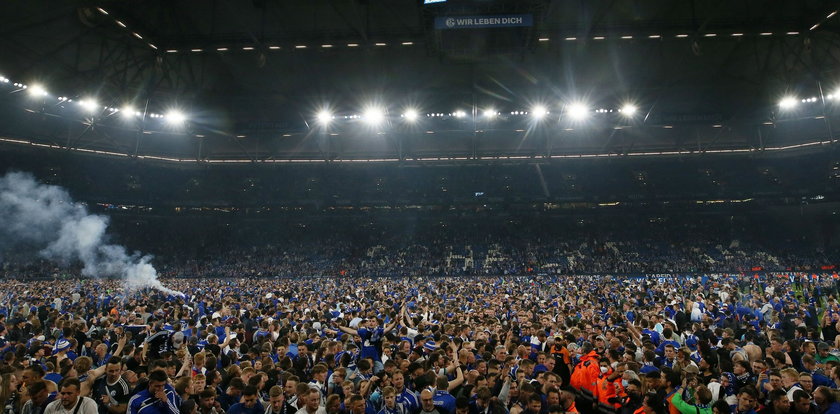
[240,408]
[371,342]
[445,400]
[146,403]
[408,400]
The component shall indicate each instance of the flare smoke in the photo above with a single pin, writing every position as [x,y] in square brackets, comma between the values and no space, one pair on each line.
[44,217]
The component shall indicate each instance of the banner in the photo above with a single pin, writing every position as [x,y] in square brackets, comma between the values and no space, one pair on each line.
[484,22]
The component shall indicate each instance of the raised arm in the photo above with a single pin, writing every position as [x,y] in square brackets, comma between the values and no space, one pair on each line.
[93,375]
[406,320]
[347,329]
[120,345]
[459,379]
[186,366]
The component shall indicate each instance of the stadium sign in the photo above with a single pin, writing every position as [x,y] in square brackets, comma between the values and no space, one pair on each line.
[483,22]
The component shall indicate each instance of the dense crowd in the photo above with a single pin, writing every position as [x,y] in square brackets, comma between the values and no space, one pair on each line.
[471,245]
[488,345]
[490,256]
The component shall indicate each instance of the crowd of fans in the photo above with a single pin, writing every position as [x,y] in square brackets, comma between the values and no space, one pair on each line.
[494,345]
[456,247]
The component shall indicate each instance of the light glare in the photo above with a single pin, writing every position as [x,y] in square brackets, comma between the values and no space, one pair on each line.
[324,117]
[578,111]
[175,117]
[374,116]
[37,90]
[128,111]
[411,114]
[788,102]
[628,110]
[89,104]
[539,112]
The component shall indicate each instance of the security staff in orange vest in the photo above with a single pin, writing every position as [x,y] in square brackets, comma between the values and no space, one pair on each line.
[567,402]
[609,393]
[585,375]
[634,398]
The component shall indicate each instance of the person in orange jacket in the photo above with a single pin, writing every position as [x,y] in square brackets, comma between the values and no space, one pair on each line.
[585,375]
[567,401]
[610,393]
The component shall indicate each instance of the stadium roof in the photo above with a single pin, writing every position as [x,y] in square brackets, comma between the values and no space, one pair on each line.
[251,77]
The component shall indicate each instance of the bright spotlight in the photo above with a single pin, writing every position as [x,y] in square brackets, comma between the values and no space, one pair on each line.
[128,111]
[628,110]
[324,117]
[539,112]
[175,117]
[89,105]
[37,90]
[411,115]
[374,116]
[490,113]
[577,111]
[460,114]
[788,102]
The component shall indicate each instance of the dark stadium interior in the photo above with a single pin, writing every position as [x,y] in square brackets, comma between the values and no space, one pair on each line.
[419,207]
[709,144]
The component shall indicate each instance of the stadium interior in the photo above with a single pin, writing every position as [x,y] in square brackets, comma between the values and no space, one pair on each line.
[185,120]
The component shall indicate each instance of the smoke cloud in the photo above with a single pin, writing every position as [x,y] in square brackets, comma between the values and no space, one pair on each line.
[45,218]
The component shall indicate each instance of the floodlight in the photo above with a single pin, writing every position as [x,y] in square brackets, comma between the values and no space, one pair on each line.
[490,113]
[374,115]
[128,111]
[175,117]
[577,111]
[628,110]
[460,114]
[89,105]
[37,90]
[324,117]
[539,112]
[410,115]
[788,102]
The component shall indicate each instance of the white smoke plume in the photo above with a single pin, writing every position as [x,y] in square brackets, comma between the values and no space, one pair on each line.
[45,217]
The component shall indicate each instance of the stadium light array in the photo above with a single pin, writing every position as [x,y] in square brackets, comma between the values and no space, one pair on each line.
[175,117]
[128,111]
[410,115]
[89,105]
[788,102]
[539,112]
[628,110]
[374,115]
[324,117]
[578,111]
[36,90]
